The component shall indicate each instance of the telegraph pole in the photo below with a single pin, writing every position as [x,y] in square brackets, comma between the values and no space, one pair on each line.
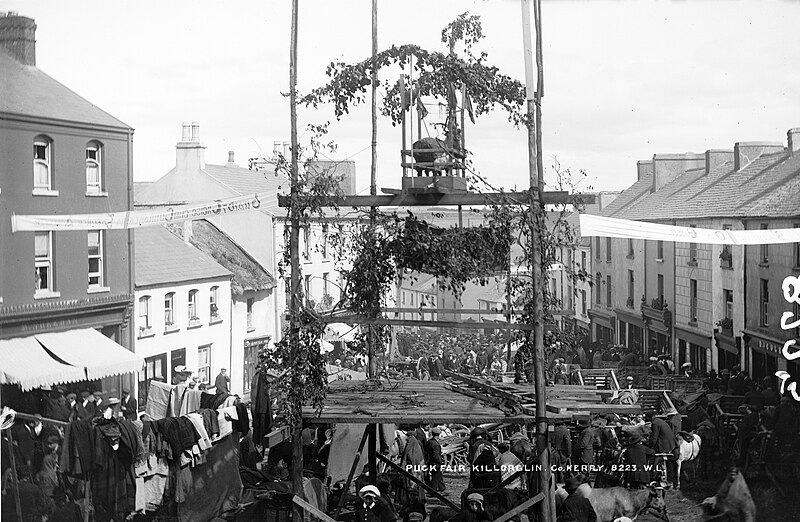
[294,275]
[534,97]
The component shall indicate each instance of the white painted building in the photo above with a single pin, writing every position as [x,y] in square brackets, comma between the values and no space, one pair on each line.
[182,310]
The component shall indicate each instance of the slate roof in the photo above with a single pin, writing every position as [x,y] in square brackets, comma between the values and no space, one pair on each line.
[248,274]
[782,198]
[639,189]
[163,258]
[26,90]
[245,181]
[650,205]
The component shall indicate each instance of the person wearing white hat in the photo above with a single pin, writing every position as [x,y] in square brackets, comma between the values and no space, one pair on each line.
[629,382]
[686,369]
[373,507]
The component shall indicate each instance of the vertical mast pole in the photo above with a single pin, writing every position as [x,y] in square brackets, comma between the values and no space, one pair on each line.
[536,213]
[294,241]
[373,180]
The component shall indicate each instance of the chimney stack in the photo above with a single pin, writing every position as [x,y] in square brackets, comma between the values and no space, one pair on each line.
[190,153]
[794,140]
[644,168]
[231,162]
[667,167]
[18,37]
[746,151]
[187,230]
[716,157]
[287,149]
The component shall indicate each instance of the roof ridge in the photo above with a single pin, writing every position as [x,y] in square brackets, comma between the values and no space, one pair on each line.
[240,247]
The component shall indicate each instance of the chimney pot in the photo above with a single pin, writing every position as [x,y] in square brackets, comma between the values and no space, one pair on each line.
[794,140]
[230,156]
[18,37]
[186,131]
[195,131]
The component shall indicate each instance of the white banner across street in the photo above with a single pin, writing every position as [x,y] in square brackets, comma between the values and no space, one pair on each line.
[142,218]
[625,228]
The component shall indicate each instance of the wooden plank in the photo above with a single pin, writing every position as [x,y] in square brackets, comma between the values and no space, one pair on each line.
[522,507]
[277,436]
[311,509]
[471,198]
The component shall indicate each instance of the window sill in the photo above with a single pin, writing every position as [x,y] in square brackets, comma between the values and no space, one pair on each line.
[46,294]
[693,323]
[98,289]
[97,194]
[147,332]
[692,263]
[629,256]
[44,192]
[250,329]
[215,320]
[194,324]
[726,267]
[170,329]
[659,260]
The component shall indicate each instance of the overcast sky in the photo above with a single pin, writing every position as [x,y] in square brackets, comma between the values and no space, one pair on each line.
[624,79]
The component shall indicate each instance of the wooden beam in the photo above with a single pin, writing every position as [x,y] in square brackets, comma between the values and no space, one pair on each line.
[427,200]
[522,507]
[418,482]
[311,509]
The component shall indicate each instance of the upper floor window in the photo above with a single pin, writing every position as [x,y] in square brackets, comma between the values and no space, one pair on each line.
[693,300]
[94,168]
[95,259]
[660,250]
[169,309]
[213,303]
[630,288]
[43,163]
[583,260]
[726,256]
[608,249]
[583,302]
[43,262]
[660,289]
[764,247]
[796,250]
[597,247]
[608,291]
[598,280]
[144,313]
[692,250]
[250,326]
[324,242]
[728,295]
[192,305]
[306,241]
[630,247]
[764,300]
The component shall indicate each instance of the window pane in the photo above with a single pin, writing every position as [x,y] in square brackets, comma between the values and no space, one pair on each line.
[42,245]
[41,175]
[40,151]
[94,239]
[92,174]
[94,265]
[91,153]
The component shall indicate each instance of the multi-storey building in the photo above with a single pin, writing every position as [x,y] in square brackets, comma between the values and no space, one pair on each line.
[183,310]
[698,300]
[60,154]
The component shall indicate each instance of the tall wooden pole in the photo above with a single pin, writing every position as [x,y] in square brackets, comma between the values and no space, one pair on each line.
[373,179]
[543,477]
[294,276]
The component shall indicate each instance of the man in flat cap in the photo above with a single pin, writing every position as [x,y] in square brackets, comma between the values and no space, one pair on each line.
[435,460]
[221,382]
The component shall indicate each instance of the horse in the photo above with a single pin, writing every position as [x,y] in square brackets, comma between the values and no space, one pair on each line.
[689,445]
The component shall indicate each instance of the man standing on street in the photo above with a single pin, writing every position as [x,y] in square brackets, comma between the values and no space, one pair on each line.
[128,406]
[221,382]
[662,440]
[435,461]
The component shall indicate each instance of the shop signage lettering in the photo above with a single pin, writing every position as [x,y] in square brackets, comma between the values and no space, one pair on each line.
[791,292]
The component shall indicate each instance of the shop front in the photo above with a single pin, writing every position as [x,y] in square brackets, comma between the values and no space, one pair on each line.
[728,350]
[694,348]
[631,329]
[763,354]
[603,326]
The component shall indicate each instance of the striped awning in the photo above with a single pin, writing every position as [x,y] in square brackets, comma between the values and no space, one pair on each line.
[63,357]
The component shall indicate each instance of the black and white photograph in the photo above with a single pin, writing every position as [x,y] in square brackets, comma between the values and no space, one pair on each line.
[377,261]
